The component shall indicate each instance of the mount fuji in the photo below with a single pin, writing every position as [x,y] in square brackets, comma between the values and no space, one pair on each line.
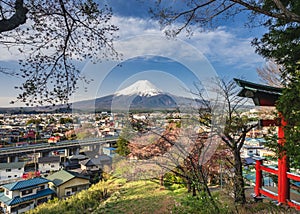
[141,95]
[142,88]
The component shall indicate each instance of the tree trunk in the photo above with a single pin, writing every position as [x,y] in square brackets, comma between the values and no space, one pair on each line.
[161,180]
[194,190]
[17,19]
[188,185]
[239,191]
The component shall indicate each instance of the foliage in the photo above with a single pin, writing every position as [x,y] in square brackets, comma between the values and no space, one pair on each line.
[178,124]
[54,36]
[51,120]
[64,120]
[139,197]
[170,179]
[128,132]
[34,121]
[232,129]
[200,204]
[122,147]
[82,135]
[281,43]
[144,196]
[291,114]
[79,203]
[206,13]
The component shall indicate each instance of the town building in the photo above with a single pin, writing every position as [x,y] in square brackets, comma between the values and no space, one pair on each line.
[10,172]
[71,163]
[99,162]
[49,164]
[21,196]
[67,183]
[109,151]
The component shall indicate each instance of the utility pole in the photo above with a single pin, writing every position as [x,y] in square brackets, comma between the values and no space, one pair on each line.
[221,175]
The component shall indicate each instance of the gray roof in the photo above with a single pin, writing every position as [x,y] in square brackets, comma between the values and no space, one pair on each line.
[12,165]
[78,157]
[50,159]
[96,161]
[249,161]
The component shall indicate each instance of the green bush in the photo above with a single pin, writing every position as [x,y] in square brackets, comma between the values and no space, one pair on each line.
[172,181]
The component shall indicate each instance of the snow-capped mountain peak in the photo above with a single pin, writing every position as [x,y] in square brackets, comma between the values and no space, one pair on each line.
[141,88]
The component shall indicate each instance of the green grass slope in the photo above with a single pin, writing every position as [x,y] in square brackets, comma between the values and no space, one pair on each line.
[116,196]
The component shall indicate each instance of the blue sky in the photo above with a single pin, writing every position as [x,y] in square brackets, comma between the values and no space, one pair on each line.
[173,66]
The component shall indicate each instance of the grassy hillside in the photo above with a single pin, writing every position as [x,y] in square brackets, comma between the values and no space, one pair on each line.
[118,196]
[115,196]
[140,197]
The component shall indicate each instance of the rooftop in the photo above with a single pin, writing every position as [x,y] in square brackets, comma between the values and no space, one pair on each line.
[12,165]
[50,159]
[262,95]
[18,199]
[25,183]
[96,161]
[62,176]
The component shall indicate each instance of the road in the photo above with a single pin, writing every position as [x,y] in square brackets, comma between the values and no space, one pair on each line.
[59,145]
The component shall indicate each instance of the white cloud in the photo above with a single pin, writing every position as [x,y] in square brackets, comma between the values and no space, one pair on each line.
[11,54]
[222,46]
[219,45]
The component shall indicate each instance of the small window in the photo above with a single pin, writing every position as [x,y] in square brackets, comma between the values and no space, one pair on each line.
[26,192]
[9,176]
[52,166]
[8,170]
[6,192]
[19,168]
[16,176]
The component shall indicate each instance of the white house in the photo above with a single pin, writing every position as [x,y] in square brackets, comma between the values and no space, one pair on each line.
[21,196]
[11,171]
[49,164]
[109,151]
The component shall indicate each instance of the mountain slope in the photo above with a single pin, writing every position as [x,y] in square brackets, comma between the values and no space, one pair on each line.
[142,88]
[141,95]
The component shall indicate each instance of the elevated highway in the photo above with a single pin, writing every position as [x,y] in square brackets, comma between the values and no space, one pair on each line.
[7,152]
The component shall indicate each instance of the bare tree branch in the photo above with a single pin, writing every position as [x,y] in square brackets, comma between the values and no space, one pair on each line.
[204,12]
[54,38]
[271,73]
[234,132]
[285,15]
[17,19]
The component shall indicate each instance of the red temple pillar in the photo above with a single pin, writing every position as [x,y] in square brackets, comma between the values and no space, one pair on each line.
[283,182]
[258,177]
